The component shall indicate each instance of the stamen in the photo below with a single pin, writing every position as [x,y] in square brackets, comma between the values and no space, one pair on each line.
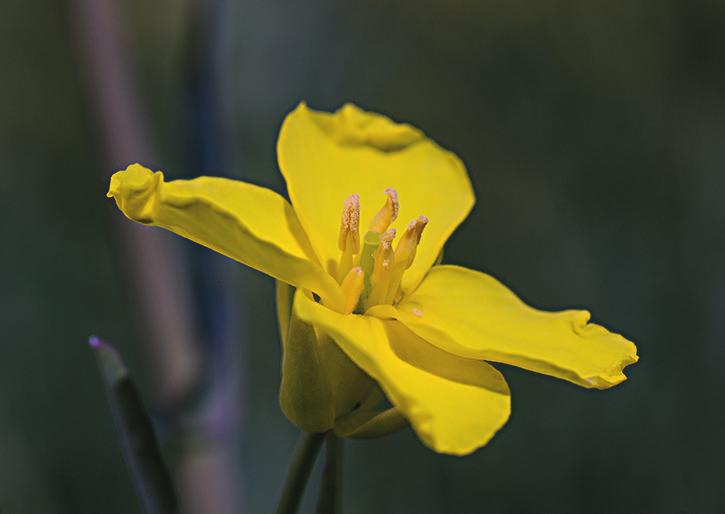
[349,238]
[408,244]
[350,225]
[384,258]
[404,256]
[352,286]
[378,277]
[387,214]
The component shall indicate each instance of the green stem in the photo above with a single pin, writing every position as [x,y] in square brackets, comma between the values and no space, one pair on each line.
[330,487]
[299,472]
[140,447]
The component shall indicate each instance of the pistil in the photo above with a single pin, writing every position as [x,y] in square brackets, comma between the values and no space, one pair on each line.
[384,257]
[371,241]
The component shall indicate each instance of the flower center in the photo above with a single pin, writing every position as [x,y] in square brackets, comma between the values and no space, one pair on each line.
[371,273]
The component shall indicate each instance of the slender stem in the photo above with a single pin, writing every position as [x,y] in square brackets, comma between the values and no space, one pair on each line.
[330,487]
[140,447]
[299,471]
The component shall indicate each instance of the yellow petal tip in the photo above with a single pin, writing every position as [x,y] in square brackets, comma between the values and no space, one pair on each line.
[135,177]
[353,126]
[133,189]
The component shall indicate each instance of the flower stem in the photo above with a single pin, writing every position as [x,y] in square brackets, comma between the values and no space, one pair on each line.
[299,472]
[330,487]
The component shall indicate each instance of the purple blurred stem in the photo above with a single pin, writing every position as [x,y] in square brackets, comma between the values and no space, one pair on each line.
[161,289]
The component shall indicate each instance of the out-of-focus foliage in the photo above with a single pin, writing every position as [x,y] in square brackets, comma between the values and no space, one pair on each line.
[593,135]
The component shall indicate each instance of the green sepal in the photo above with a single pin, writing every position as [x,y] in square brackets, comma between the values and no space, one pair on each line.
[370,424]
[305,395]
[349,384]
[284,295]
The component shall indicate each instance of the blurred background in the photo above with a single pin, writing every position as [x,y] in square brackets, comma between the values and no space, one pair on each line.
[593,133]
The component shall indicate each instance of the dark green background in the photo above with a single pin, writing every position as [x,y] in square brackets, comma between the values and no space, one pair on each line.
[594,134]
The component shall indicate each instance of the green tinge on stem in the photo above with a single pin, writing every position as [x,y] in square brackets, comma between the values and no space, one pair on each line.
[329,501]
[140,447]
[299,472]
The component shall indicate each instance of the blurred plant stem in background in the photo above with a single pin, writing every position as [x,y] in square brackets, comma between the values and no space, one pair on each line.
[193,362]
[215,281]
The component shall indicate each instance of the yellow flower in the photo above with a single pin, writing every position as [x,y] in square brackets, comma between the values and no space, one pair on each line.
[363,316]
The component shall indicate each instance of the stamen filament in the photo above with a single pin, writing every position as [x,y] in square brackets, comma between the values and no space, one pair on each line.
[345,263]
[396,277]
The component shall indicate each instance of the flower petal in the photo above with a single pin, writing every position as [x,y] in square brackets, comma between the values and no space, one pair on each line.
[455,405]
[473,315]
[327,157]
[250,224]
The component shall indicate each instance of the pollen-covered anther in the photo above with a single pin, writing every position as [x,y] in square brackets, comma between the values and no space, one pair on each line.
[352,286]
[408,244]
[349,238]
[387,214]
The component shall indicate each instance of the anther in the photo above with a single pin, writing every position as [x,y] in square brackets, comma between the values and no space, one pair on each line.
[350,225]
[408,244]
[352,285]
[404,256]
[349,238]
[387,214]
